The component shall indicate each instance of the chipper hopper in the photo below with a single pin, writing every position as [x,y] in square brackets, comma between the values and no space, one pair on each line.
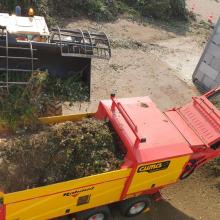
[27,45]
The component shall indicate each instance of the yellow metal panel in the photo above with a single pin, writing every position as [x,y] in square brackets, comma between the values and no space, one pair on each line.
[67,197]
[155,175]
[63,118]
[52,120]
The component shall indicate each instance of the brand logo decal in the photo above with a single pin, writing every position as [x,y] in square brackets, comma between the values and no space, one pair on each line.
[77,192]
[154,167]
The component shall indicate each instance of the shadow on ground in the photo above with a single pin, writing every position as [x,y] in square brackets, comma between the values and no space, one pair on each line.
[160,211]
[174,26]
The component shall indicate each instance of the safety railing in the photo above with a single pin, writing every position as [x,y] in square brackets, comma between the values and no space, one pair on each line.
[81,43]
[117,105]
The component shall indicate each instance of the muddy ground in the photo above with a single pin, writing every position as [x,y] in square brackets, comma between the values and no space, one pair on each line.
[158,62]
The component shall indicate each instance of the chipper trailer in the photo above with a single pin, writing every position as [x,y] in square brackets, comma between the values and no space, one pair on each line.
[161,148]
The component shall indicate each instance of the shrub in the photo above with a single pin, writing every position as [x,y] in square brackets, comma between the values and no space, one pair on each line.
[23,104]
[160,9]
[103,9]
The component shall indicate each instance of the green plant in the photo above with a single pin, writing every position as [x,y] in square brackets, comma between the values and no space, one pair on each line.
[102,9]
[23,104]
[19,107]
[160,9]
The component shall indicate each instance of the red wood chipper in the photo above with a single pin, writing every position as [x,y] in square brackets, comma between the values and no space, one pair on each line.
[161,148]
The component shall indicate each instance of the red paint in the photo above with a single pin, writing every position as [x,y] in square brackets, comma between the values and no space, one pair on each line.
[128,183]
[2,212]
[163,140]
[199,124]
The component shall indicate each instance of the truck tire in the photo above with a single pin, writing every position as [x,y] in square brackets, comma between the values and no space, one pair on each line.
[52,109]
[101,213]
[135,206]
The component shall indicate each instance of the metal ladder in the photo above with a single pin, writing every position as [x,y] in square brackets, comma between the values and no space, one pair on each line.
[81,43]
[8,80]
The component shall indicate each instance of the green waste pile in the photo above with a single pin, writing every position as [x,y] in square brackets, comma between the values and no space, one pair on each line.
[58,153]
[22,105]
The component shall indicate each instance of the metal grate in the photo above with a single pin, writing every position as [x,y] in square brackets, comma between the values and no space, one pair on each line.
[81,43]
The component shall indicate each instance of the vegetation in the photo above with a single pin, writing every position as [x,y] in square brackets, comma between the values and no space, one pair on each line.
[215,100]
[22,106]
[162,9]
[102,9]
[58,153]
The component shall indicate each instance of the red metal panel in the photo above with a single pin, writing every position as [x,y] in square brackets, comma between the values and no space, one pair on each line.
[184,129]
[202,119]
[198,122]
[163,140]
[2,212]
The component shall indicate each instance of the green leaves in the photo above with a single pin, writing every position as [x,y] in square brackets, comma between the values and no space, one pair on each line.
[103,10]
[22,106]
[160,9]
[71,89]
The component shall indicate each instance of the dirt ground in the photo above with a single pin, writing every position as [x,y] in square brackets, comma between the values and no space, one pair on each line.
[149,60]
[205,8]
[146,60]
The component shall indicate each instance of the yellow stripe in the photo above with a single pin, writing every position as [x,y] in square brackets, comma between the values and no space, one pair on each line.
[53,200]
[63,118]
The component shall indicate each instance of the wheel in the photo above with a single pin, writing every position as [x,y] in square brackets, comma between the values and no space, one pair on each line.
[52,109]
[134,206]
[101,213]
